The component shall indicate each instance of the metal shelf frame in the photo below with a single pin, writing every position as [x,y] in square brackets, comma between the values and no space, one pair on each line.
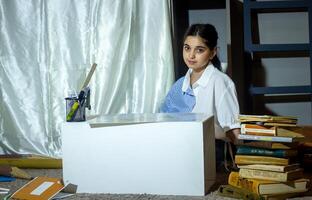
[254,7]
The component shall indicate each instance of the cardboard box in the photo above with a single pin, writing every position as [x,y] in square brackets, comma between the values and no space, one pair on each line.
[166,154]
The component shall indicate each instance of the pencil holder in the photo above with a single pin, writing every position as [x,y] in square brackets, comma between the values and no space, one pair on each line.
[76,107]
[75,112]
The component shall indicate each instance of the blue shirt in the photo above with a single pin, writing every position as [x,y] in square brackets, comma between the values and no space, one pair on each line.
[213,94]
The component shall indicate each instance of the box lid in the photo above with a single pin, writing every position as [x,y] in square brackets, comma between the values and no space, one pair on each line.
[139,118]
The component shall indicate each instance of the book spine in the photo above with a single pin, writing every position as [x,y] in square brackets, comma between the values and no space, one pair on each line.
[270,145]
[239,182]
[275,168]
[265,138]
[271,176]
[265,175]
[254,129]
[244,150]
[246,159]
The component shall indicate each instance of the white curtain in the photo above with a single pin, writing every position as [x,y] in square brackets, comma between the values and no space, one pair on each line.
[47,48]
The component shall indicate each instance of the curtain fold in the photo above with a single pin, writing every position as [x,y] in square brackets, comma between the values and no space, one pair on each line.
[47,49]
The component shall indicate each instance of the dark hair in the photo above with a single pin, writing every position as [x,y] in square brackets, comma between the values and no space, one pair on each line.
[209,34]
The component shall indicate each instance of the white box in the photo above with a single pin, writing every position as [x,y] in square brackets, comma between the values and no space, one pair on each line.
[166,154]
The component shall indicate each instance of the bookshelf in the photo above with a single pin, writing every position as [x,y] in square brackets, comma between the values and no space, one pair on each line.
[256,50]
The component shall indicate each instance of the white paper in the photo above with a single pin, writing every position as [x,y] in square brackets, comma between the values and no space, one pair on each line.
[41,188]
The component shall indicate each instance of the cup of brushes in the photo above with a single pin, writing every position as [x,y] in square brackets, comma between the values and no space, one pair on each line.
[76,105]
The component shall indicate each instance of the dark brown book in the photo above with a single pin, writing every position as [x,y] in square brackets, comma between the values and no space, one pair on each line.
[270,145]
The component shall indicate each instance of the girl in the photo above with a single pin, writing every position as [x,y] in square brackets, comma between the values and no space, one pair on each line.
[204,88]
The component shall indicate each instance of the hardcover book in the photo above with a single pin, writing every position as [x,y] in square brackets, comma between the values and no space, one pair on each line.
[247,159]
[31,161]
[270,145]
[279,124]
[274,168]
[256,129]
[262,187]
[40,188]
[268,118]
[281,153]
[270,138]
[237,193]
[269,175]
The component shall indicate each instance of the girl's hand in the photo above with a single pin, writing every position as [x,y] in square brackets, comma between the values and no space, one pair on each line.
[233,136]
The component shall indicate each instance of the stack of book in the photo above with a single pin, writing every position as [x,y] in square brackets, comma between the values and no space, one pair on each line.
[267,159]
[270,128]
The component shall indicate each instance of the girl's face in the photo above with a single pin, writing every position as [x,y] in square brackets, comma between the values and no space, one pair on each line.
[196,53]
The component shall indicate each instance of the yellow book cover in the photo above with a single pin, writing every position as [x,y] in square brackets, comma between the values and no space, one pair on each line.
[247,159]
[267,118]
[267,187]
[237,193]
[272,176]
[296,132]
[31,161]
[248,184]
[40,188]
